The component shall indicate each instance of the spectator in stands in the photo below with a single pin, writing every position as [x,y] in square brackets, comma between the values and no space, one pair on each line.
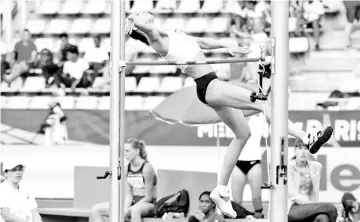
[206,211]
[351,208]
[4,64]
[48,67]
[303,189]
[75,71]
[23,58]
[352,15]
[16,68]
[140,185]
[16,203]
[313,11]
[132,50]
[96,56]
[64,46]
[248,167]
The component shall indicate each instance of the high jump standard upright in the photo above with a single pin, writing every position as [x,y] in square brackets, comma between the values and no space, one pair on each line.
[279,110]
[117,110]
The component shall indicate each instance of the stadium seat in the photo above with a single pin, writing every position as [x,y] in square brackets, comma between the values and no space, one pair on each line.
[18,102]
[16,84]
[212,6]
[34,84]
[4,101]
[49,7]
[98,81]
[165,6]
[142,5]
[104,103]
[143,69]
[189,82]
[134,103]
[174,23]
[40,102]
[102,26]
[86,102]
[127,7]
[232,6]
[130,84]
[218,25]
[188,6]
[148,84]
[151,102]
[96,7]
[196,25]
[58,26]
[292,24]
[44,43]
[170,84]
[163,70]
[36,26]
[299,44]
[66,102]
[86,43]
[72,7]
[80,26]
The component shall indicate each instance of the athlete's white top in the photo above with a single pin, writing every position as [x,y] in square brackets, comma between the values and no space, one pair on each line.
[181,48]
[252,149]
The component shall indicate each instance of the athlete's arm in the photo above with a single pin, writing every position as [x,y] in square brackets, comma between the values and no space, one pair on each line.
[206,43]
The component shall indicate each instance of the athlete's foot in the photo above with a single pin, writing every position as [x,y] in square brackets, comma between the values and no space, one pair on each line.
[315,142]
[222,199]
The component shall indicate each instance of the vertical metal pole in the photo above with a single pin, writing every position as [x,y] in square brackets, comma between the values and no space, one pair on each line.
[122,107]
[23,14]
[7,19]
[279,110]
[117,110]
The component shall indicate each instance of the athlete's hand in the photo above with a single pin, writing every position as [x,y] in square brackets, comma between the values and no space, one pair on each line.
[233,49]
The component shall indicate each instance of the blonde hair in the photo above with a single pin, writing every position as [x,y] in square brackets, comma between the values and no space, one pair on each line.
[138,144]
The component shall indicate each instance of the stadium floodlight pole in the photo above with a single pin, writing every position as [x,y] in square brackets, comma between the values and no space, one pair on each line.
[117,110]
[279,109]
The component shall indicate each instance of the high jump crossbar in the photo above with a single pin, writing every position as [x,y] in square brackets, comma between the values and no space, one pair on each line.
[200,62]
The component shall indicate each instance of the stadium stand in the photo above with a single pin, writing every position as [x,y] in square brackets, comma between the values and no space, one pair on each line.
[85,18]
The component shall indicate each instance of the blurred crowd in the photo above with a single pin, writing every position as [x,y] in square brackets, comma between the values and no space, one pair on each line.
[250,26]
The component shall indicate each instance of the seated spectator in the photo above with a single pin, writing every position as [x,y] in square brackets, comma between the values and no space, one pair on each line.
[23,59]
[75,71]
[96,56]
[140,185]
[351,208]
[353,16]
[207,209]
[14,68]
[313,11]
[48,67]
[64,46]
[16,203]
[132,50]
[303,189]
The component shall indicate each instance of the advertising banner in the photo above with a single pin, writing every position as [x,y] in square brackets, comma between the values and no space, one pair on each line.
[92,126]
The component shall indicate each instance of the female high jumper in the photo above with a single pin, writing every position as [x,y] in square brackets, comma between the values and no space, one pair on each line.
[226,99]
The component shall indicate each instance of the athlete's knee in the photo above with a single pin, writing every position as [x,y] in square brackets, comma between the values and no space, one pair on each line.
[243,134]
